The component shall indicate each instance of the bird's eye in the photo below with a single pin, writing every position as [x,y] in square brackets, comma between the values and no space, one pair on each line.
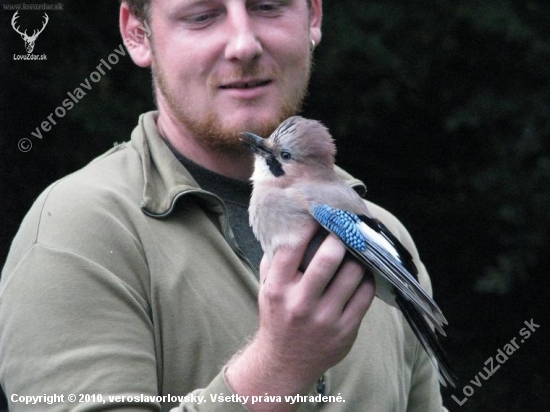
[286,155]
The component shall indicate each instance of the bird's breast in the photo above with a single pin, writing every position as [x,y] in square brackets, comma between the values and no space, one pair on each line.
[278,218]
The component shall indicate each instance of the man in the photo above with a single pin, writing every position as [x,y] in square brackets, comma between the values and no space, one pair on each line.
[137,277]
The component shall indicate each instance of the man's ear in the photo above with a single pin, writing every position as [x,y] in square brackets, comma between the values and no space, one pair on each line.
[136,36]
[315,20]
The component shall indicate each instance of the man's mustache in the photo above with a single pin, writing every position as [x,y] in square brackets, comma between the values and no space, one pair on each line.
[247,72]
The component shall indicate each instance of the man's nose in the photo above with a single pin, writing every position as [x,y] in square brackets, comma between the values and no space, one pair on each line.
[242,43]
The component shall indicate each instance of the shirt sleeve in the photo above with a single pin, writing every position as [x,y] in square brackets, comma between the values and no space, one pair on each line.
[70,327]
[75,318]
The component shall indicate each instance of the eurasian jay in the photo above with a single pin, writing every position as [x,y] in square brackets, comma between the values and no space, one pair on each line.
[294,184]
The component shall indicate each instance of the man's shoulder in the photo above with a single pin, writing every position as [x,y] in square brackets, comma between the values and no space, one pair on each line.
[395,226]
[88,224]
[402,234]
[86,202]
[114,174]
[389,220]
[386,217]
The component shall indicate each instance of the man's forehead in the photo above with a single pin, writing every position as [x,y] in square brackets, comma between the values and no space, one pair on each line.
[176,7]
[185,3]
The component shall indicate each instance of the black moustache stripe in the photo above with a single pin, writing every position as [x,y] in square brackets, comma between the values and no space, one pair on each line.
[275,166]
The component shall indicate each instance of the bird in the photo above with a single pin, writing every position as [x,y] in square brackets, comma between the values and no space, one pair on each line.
[294,184]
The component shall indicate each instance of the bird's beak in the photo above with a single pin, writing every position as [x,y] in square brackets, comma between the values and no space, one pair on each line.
[256,144]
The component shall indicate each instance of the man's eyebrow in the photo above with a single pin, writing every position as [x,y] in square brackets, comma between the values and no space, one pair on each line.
[191,3]
[184,5]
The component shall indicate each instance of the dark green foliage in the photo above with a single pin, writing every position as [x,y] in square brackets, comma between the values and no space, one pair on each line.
[441,107]
[448,104]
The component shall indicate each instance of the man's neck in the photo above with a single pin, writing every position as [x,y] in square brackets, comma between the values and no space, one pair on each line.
[236,164]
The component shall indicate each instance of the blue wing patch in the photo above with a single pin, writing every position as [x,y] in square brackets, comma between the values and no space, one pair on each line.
[342,223]
[394,270]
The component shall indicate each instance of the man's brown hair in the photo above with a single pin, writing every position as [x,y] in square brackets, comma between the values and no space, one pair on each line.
[139,8]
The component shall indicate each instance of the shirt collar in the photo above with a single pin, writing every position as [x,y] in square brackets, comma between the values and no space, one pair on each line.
[165,179]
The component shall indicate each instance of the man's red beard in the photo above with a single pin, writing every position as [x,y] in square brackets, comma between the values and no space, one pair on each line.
[208,127]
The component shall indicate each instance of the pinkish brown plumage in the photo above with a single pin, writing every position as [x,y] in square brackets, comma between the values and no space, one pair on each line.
[296,186]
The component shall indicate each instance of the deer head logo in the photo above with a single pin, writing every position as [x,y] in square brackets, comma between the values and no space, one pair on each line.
[29,40]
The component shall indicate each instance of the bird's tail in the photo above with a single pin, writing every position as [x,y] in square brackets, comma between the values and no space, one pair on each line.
[428,340]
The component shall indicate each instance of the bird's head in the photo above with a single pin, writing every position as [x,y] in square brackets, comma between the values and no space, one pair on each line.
[298,147]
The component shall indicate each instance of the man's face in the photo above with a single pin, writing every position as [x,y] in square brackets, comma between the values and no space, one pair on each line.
[225,66]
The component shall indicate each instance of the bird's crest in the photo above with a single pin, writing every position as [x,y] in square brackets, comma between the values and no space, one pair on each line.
[309,139]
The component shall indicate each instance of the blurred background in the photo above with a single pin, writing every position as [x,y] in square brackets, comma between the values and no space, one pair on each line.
[441,107]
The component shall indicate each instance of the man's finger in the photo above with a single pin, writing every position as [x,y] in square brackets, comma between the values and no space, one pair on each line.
[323,266]
[284,266]
[360,301]
[345,282]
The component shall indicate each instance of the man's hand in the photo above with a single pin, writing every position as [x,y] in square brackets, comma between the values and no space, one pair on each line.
[308,322]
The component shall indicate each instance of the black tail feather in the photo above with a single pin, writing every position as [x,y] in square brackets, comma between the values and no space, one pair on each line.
[428,340]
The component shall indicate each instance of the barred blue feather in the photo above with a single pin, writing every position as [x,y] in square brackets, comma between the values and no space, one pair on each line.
[342,223]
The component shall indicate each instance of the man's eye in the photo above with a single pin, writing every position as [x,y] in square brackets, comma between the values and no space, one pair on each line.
[200,18]
[266,7]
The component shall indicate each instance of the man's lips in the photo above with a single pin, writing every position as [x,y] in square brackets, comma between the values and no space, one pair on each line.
[245,84]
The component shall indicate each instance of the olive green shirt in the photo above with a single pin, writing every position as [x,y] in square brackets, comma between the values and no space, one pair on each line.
[125,287]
